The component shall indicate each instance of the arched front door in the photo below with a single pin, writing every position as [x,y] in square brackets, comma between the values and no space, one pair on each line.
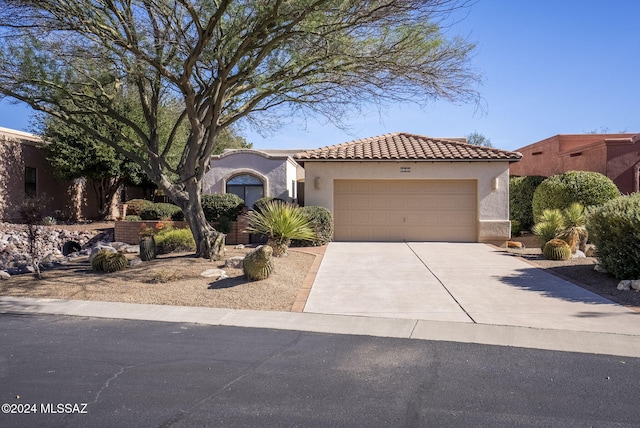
[247,187]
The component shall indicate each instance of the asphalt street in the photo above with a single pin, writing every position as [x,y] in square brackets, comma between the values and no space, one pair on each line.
[78,372]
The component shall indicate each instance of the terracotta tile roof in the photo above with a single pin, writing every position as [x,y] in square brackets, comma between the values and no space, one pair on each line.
[401,146]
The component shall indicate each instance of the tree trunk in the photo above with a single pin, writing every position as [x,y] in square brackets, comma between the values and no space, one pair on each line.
[210,244]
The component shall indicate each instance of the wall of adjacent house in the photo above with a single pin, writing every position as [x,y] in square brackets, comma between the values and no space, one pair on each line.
[278,173]
[493,204]
[66,199]
[623,164]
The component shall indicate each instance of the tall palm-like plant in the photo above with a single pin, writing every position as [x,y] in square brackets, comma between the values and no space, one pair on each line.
[280,222]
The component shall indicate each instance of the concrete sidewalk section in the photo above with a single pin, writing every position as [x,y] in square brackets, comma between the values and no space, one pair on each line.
[459,283]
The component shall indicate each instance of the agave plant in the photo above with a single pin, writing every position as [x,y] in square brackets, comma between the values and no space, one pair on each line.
[574,232]
[550,224]
[280,222]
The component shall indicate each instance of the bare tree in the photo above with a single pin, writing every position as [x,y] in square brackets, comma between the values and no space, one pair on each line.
[223,62]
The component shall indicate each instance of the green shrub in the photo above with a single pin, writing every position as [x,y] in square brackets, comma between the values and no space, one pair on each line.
[135,206]
[174,240]
[161,211]
[521,191]
[586,187]
[133,218]
[615,230]
[321,221]
[516,228]
[221,205]
[281,222]
[551,224]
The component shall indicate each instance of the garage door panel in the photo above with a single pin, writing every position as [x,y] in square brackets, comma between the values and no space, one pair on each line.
[396,210]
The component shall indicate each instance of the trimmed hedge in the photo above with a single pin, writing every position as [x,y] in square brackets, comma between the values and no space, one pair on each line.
[615,230]
[174,240]
[322,223]
[586,187]
[135,206]
[162,211]
[221,206]
[521,191]
[257,206]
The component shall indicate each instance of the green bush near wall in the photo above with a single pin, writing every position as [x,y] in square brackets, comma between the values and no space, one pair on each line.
[521,191]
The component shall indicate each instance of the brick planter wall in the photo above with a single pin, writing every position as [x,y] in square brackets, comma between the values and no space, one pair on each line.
[127,231]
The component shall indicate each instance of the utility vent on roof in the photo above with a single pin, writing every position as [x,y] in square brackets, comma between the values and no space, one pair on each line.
[405,169]
[536,153]
[573,155]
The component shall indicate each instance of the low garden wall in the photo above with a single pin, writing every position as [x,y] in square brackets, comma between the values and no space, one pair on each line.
[128,231]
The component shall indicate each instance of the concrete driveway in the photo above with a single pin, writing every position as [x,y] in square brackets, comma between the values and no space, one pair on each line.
[457,282]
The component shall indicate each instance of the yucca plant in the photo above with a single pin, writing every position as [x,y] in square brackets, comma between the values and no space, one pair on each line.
[574,232]
[550,224]
[280,222]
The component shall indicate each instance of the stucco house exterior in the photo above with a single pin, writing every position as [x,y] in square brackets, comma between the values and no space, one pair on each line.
[25,172]
[615,155]
[399,186]
[253,174]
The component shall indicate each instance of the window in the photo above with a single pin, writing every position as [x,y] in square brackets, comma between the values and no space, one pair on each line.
[247,187]
[30,181]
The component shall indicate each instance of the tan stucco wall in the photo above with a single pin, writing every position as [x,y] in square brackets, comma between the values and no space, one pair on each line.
[493,205]
[277,172]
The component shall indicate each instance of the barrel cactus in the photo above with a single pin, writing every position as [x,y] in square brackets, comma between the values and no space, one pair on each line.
[258,264]
[96,263]
[556,249]
[147,248]
[114,262]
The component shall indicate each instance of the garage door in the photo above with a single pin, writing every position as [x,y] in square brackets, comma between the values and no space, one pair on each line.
[405,210]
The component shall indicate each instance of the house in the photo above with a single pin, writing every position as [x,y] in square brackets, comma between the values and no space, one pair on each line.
[399,186]
[25,172]
[615,155]
[252,174]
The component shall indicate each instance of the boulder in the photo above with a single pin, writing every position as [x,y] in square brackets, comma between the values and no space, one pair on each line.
[135,262]
[635,285]
[590,250]
[234,262]
[624,285]
[578,255]
[4,274]
[214,273]
[599,268]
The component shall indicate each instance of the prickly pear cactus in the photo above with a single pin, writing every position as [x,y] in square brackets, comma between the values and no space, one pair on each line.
[114,262]
[556,249]
[258,264]
[147,248]
[96,263]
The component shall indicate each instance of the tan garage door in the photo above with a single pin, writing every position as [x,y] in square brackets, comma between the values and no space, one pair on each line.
[405,210]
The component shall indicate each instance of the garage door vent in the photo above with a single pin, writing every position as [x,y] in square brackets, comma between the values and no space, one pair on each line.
[405,169]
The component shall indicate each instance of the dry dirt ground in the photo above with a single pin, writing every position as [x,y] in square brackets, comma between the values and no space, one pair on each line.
[174,279]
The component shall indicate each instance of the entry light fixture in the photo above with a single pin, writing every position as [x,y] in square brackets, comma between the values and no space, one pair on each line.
[317,183]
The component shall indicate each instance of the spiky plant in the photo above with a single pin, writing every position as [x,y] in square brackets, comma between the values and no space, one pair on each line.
[550,224]
[574,231]
[280,222]
[556,249]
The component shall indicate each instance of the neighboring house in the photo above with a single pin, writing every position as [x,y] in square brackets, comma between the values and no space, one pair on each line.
[404,187]
[615,155]
[253,174]
[25,172]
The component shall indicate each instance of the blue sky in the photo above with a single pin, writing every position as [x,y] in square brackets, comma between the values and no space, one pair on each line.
[549,67]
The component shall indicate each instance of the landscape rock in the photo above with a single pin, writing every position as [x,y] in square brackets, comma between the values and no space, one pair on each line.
[239,247]
[135,262]
[599,268]
[95,250]
[234,262]
[590,250]
[214,273]
[4,274]
[635,285]
[624,285]
[578,255]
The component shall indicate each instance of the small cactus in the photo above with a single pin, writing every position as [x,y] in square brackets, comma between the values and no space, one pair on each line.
[258,264]
[147,248]
[114,262]
[556,249]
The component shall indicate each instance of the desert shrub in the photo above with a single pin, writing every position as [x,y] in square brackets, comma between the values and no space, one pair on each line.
[280,222]
[321,221]
[586,187]
[551,224]
[133,218]
[221,205]
[257,206]
[161,211]
[615,230]
[521,191]
[174,240]
[135,206]
[49,221]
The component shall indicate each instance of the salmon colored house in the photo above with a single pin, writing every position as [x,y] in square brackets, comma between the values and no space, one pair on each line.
[615,155]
